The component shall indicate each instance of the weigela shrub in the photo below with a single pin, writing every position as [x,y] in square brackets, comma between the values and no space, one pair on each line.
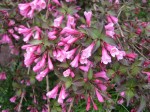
[67,52]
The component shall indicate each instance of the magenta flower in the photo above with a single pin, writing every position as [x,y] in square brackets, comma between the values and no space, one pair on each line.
[62,95]
[131,55]
[88,16]
[121,55]
[112,19]
[38,5]
[51,35]
[71,21]
[58,21]
[105,57]
[67,72]
[120,101]
[110,30]
[60,55]
[70,54]
[2,76]
[57,2]
[74,63]
[102,87]
[112,49]
[99,96]
[5,39]
[37,33]
[88,104]
[101,74]
[50,64]
[42,74]
[13,99]
[69,31]
[53,92]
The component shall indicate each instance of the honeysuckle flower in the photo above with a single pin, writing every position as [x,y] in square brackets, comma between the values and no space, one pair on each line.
[60,55]
[88,16]
[86,68]
[94,106]
[112,19]
[37,33]
[13,99]
[69,31]
[120,55]
[70,21]
[53,92]
[110,30]
[105,57]
[86,53]
[110,33]
[5,39]
[26,10]
[67,72]
[42,74]
[102,87]
[58,21]
[38,5]
[101,74]
[112,49]
[2,76]
[99,96]
[57,2]
[16,36]
[51,35]
[131,55]
[88,104]
[50,64]
[70,54]
[62,95]
[75,61]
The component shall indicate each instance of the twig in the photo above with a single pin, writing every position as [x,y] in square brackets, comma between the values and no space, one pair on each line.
[47,89]
[69,110]
[20,104]
[124,107]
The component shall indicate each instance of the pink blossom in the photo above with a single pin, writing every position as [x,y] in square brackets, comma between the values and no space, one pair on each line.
[74,63]
[58,21]
[62,95]
[122,94]
[120,101]
[60,55]
[51,35]
[116,1]
[26,10]
[120,55]
[42,74]
[57,2]
[50,64]
[70,54]
[102,87]
[13,99]
[53,92]
[7,110]
[131,55]
[67,72]
[37,33]
[88,104]
[86,53]
[86,68]
[38,5]
[99,96]
[101,74]
[94,105]
[112,19]
[11,23]
[110,33]
[16,36]
[70,21]
[69,31]
[112,49]
[105,57]
[144,1]
[2,76]
[5,39]
[109,26]
[88,16]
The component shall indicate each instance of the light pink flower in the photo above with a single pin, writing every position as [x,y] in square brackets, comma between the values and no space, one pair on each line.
[7,110]
[50,64]
[94,105]
[53,92]
[69,31]
[67,72]
[42,74]
[99,96]
[70,54]
[5,39]
[70,21]
[58,21]
[74,63]
[112,49]
[112,19]
[109,26]
[26,10]
[88,16]
[2,76]
[102,87]
[122,94]
[51,35]
[105,57]
[11,23]
[110,33]
[120,101]
[101,74]
[116,1]
[38,5]
[62,95]
[86,68]
[60,55]
[13,99]
[120,55]
[37,33]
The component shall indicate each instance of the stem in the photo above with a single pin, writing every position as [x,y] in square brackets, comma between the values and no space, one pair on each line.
[47,89]
[20,104]
[69,110]
[47,12]
[124,107]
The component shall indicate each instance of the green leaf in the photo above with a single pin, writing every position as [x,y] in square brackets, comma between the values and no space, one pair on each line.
[63,65]
[123,69]
[90,74]
[96,46]
[79,82]
[135,71]
[93,33]
[110,72]
[129,95]
[108,40]
[35,42]
[68,83]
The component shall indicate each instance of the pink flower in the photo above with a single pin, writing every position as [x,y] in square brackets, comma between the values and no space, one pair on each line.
[112,49]
[120,55]
[102,87]
[74,63]
[109,26]
[99,96]
[13,99]
[51,35]
[86,53]
[62,95]
[70,54]
[116,1]
[53,92]
[58,21]
[88,16]
[69,31]
[60,55]
[2,76]
[71,21]
[38,5]
[50,64]
[37,33]
[42,74]
[11,23]
[86,68]
[67,72]
[88,104]
[101,74]
[26,10]
[120,101]
[94,106]
[112,19]
[105,57]
[131,55]
[5,110]
[110,33]
[5,39]
[122,94]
